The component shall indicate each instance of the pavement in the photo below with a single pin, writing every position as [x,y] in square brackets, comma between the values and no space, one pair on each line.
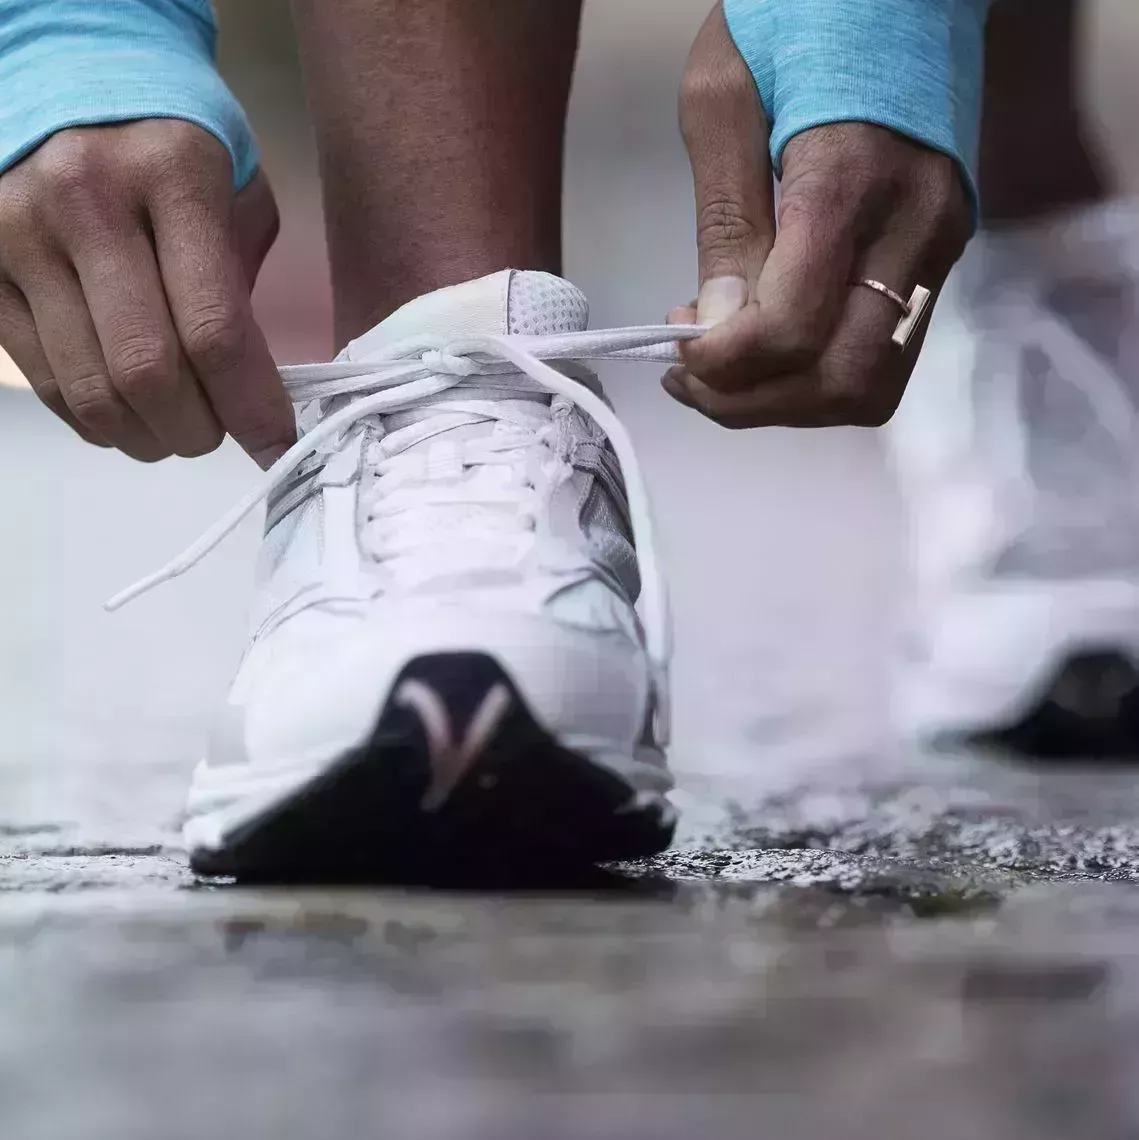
[851,939]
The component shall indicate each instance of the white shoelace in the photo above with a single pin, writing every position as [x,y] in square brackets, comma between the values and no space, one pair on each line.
[464,501]
[417,372]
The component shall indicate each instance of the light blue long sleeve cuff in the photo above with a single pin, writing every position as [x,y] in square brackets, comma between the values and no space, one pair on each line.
[914,66]
[71,63]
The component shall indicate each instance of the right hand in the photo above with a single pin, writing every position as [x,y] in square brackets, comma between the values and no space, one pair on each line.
[794,344]
[126,266]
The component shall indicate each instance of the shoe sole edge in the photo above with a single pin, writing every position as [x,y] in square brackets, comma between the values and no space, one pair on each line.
[410,798]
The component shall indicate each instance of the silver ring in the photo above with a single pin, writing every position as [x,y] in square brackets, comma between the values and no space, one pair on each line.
[886,291]
[912,310]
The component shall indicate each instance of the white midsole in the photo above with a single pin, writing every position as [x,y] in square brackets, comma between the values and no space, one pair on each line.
[991,652]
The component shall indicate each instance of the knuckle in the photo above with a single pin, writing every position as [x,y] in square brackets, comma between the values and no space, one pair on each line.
[70,165]
[94,404]
[940,189]
[72,188]
[699,86]
[214,338]
[141,364]
[830,165]
[693,82]
[695,93]
[944,204]
[705,91]
[17,210]
[50,395]
[722,223]
[169,161]
[184,141]
[820,194]
[180,162]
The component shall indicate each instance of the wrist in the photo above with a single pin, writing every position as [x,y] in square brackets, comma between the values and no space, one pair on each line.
[912,66]
[72,63]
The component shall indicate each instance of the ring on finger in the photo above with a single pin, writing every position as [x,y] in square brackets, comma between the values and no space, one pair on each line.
[912,310]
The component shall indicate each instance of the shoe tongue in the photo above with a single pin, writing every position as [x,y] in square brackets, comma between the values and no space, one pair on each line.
[512,301]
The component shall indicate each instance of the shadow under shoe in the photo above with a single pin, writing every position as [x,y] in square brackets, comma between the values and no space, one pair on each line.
[1089,710]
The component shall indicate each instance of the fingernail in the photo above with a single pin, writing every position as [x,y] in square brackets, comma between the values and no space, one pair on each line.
[720,298]
[267,457]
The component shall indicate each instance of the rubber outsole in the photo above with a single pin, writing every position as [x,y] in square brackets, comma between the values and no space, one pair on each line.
[414,806]
[1089,711]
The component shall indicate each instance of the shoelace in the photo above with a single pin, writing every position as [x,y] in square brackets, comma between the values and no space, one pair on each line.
[471,499]
[417,372]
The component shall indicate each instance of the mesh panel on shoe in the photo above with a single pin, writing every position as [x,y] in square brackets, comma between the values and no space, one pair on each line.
[1082,477]
[540,304]
[612,542]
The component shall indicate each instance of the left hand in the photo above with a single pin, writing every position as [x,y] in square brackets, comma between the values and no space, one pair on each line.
[794,343]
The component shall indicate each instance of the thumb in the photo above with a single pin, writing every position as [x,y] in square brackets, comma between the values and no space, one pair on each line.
[725,131]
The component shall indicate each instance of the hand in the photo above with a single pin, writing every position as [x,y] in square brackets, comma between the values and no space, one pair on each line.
[793,343]
[126,264]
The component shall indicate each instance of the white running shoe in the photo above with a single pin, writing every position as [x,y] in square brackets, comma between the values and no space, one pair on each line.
[446,664]
[1017,448]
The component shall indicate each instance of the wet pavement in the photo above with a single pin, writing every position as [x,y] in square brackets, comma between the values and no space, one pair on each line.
[911,963]
[850,940]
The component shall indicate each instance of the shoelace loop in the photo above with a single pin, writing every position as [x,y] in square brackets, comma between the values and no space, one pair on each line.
[447,363]
[412,375]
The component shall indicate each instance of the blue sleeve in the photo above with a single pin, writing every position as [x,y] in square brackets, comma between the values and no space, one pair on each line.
[915,66]
[72,63]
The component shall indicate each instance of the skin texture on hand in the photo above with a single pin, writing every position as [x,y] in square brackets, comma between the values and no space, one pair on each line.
[126,266]
[794,344]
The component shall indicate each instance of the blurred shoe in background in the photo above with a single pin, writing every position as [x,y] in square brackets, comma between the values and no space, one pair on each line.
[1017,451]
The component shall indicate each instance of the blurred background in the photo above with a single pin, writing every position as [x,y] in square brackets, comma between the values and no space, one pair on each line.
[786,548]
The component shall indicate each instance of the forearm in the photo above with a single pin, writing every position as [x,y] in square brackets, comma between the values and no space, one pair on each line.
[70,63]
[914,66]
